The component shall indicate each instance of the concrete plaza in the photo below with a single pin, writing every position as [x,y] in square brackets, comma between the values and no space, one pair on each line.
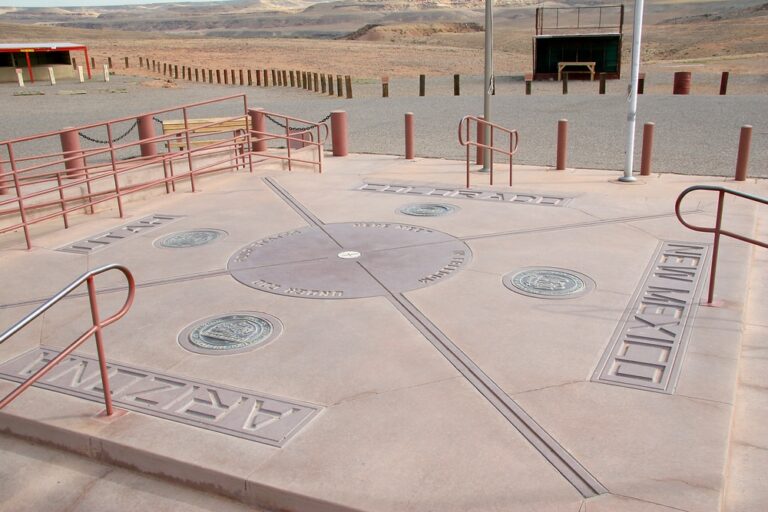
[540,347]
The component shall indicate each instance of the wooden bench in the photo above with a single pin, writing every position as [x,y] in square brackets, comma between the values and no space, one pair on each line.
[589,65]
[200,126]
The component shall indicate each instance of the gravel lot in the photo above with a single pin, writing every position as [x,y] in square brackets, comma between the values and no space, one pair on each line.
[696,134]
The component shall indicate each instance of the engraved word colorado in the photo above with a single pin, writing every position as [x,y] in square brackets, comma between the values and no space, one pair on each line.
[647,349]
[503,197]
[230,411]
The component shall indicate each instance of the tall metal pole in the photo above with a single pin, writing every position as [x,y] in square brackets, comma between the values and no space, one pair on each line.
[637,32]
[488,79]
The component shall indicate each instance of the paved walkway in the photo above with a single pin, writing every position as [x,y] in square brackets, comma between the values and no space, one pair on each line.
[35,478]
[408,362]
[696,135]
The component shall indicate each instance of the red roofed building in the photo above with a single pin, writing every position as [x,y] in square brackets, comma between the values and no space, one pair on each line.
[34,59]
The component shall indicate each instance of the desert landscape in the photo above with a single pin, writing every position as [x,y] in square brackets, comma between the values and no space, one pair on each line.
[371,38]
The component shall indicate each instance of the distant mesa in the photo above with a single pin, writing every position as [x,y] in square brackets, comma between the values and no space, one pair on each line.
[730,13]
[379,32]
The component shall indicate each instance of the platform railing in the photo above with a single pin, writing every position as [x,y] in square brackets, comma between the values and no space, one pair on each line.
[311,134]
[465,127]
[96,329]
[36,187]
[90,173]
[717,230]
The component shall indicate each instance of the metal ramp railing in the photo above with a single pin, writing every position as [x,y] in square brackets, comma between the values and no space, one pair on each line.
[96,330]
[310,134]
[40,184]
[465,126]
[717,230]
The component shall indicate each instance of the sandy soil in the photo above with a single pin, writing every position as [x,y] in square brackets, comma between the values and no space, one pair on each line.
[736,45]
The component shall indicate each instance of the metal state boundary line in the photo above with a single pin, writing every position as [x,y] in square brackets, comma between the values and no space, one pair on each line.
[565,463]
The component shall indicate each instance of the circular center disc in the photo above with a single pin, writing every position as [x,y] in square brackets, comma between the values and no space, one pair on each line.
[349,260]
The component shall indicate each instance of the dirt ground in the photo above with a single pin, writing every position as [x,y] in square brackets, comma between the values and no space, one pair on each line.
[445,54]
[737,45]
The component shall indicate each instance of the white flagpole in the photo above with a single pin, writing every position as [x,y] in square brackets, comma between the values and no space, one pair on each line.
[488,79]
[632,114]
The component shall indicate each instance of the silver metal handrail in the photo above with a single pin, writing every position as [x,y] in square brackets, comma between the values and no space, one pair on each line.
[96,329]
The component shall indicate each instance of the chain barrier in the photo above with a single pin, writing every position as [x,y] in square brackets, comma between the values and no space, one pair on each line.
[295,128]
[116,139]
[160,121]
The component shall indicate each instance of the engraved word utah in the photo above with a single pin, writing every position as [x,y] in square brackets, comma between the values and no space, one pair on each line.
[463,193]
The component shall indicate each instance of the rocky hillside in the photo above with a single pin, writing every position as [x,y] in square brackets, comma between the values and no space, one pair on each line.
[380,20]
[389,32]
[259,18]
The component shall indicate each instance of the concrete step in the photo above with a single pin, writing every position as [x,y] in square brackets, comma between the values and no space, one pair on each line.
[37,477]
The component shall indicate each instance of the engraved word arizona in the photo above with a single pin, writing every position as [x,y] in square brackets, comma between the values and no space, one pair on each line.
[213,407]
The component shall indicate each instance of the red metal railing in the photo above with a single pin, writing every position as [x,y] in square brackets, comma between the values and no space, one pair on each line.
[717,230]
[465,125]
[96,329]
[37,187]
[54,185]
[311,134]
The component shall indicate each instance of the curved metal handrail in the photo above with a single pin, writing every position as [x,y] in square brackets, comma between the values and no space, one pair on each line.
[717,229]
[96,329]
[514,140]
[481,121]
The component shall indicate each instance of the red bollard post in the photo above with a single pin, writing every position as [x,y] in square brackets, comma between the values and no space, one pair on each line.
[147,131]
[724,83]
[70,145]
[562,143]
[480,158]
[339,132]
[410,151]
[682,82]
[645,165]
[259,125]
[745,141]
